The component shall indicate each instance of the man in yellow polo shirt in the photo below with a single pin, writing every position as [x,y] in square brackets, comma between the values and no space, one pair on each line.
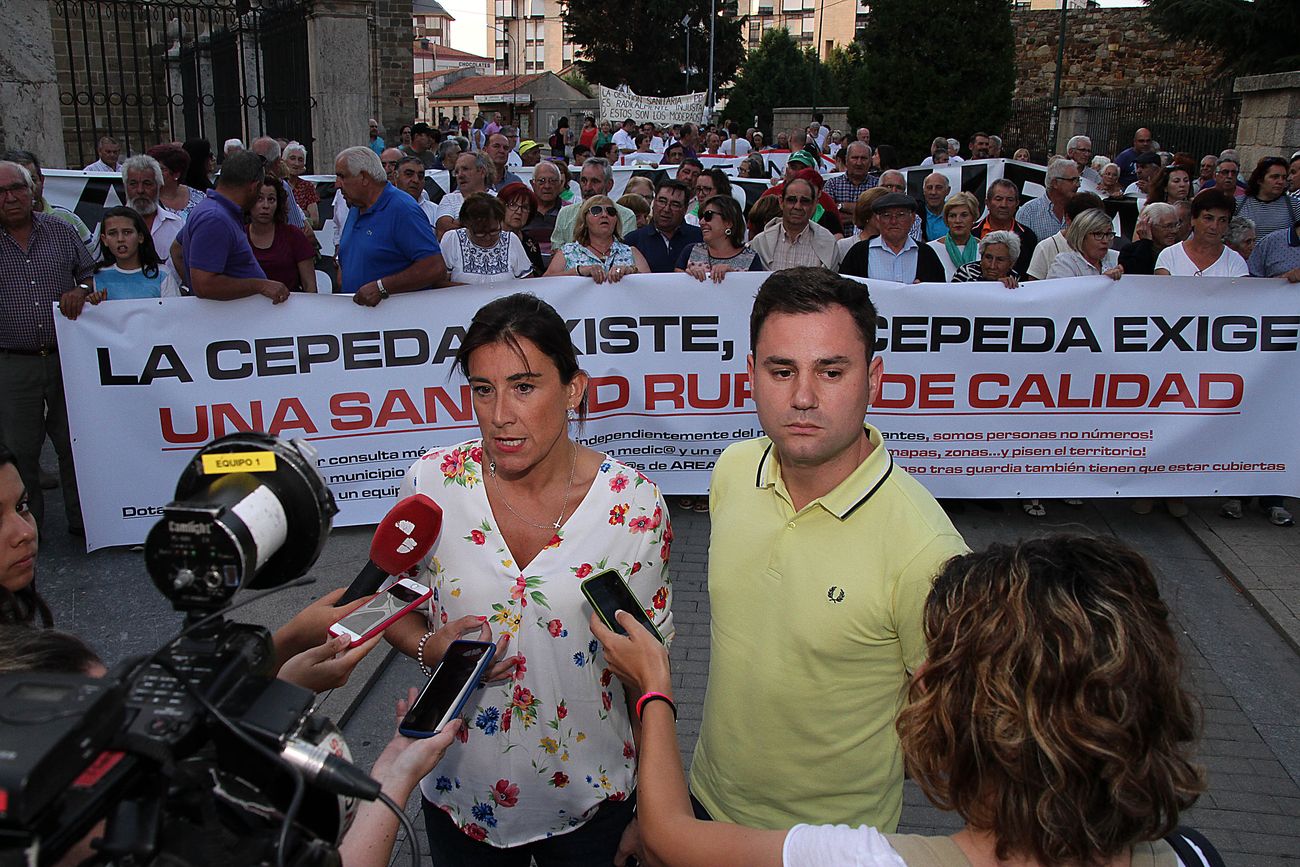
[822,554]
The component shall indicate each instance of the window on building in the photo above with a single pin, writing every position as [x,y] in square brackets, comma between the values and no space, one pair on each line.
[506,9]
[567,52]
[536,8]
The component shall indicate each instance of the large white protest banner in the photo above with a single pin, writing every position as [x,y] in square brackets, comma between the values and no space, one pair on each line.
[619,105]
[1066,388]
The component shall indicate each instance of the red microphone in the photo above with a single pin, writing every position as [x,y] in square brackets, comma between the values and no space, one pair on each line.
[402,538]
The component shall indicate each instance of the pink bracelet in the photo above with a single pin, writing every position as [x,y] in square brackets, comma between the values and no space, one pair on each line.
[654,696]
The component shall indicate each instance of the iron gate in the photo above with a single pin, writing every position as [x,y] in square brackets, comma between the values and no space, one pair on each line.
[149,71]
[1195,117]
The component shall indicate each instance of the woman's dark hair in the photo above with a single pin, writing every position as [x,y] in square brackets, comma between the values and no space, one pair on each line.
[23,648]
[149,261]
[762,212]
[1050,712]
[523,315]
[21,607]
[480,209]
[721,183]
[609,151]
[1256,178]
[562,123]
[888,157]
[172,157]
[281,198]
[1213,199]
[731,214]
[1160,186]
[196,177]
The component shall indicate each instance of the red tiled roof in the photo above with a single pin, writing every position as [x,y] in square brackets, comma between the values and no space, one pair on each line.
[475,85]
[449,53]
[434,74]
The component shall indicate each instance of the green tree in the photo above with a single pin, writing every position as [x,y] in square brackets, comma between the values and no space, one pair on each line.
[778,73]
[641,43]
[1253,37]
[944,67]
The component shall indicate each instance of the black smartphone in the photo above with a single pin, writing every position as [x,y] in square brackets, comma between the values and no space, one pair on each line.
[608,592]
[453,682]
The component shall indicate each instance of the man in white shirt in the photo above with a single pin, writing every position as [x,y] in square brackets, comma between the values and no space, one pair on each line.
[513,158]
[109,152]
[625,138]
[657,143]
[142,177]
[735,145]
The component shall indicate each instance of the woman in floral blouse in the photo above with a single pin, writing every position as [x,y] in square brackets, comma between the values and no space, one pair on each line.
[549,759]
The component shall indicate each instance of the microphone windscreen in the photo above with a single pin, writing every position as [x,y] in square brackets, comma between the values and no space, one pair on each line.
[406,534]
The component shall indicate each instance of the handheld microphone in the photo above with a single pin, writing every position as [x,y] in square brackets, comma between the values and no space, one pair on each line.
[403,537]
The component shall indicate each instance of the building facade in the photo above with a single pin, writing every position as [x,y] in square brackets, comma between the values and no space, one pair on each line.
[817,24]
[528,36]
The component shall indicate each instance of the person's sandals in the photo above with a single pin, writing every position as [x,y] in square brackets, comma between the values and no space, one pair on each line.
[1231,509]
[1280,517]
[686,504]
[1033,508]
[1177,508]
[1143,506]
[702,505]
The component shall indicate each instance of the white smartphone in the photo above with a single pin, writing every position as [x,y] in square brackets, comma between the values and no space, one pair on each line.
[379,613]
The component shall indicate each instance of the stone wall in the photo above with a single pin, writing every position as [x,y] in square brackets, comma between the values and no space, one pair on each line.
[1107,51]
[394,66]
[29,90]
[1270,116]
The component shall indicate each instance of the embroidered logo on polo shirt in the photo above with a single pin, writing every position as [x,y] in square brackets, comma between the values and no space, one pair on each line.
[835,594]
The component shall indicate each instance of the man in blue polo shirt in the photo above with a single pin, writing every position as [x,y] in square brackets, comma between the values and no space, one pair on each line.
[662,241]
[387,243]
[215,258]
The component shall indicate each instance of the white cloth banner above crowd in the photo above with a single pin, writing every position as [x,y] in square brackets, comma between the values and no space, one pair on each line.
[618,105]
[1164,388]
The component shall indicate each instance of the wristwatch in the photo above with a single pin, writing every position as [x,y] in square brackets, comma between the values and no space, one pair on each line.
[383,293]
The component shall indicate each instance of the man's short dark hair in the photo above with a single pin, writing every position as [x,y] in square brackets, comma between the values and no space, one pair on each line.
[813,290]
[410,159]
[1004,182]
[243,167]
[674,185]
[691,161]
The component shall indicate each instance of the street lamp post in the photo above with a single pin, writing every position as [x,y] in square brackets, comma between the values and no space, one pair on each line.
[686,25]
[514,84]
[713,21]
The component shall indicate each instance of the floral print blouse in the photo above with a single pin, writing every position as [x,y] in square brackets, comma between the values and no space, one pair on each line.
[541,753]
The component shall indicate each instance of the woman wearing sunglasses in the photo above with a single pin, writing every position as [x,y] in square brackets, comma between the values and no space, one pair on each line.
[597,250]
[723,249]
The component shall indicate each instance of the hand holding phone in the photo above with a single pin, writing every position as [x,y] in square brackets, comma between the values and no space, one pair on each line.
[455,679]
[381,612]
[608,592]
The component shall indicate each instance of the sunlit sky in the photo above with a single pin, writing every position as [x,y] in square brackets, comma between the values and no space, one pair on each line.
[469,31]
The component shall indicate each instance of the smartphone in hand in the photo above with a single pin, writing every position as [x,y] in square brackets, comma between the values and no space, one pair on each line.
[381,612]
[447,692]
[608,592]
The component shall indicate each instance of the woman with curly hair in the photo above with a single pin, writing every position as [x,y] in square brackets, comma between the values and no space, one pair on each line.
[1049,715]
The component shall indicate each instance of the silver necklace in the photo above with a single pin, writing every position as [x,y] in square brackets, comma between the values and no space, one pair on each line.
[568,492]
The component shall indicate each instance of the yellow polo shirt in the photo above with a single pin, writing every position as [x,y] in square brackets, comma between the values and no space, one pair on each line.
[816,627]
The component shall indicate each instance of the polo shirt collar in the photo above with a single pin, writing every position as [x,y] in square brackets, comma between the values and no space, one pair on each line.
[385,196]
[849,494]
[879,243]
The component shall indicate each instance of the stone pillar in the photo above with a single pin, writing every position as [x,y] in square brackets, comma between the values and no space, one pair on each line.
[1269,124]
[1084,115]
[395,102]
[29,88]
[338,48]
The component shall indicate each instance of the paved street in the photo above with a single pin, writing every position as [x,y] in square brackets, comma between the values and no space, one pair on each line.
[1246,675]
